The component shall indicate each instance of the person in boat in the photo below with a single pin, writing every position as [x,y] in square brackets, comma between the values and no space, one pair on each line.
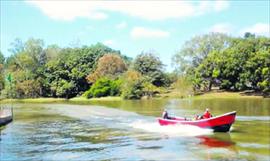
[165,114]
[206,114]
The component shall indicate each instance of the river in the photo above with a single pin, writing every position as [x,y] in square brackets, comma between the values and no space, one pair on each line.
[128,130]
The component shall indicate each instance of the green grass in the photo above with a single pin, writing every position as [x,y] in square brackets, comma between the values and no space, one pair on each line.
[33,100]
[83,99]
[52,100]
[209,95]
[213,95]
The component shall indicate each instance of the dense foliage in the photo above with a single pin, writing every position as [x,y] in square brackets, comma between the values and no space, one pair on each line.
[239,64]
[65,75]
[197,49]
[104,87]
[151,67]
[50,72]
[212,60]
[2,79]
[110,66]
[132,87]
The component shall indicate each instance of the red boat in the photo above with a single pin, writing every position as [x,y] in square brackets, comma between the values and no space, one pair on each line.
[220,123]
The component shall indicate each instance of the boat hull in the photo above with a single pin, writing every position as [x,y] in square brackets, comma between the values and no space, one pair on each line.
[5,120]
[6,116]
[220,123]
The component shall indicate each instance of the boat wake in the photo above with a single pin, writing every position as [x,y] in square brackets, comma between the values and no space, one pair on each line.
[171,130]
[253,118]
[116,118]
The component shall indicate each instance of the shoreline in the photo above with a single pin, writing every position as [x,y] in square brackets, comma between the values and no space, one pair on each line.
[209,95]
[225,94]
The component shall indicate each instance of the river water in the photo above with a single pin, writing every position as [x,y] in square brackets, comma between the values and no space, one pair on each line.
[128,130]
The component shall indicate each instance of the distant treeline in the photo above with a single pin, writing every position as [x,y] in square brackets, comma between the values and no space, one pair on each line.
[92,71]
[205,61]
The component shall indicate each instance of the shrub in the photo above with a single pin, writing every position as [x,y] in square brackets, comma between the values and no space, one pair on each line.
[28,89]
[132,86]
[116,87]
[104,87]
[132,90]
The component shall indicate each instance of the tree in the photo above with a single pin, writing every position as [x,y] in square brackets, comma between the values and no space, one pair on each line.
[27,89]
[132,86]
[17,46]
[242,65]
[24,64]
[110,66]
[2,78]
[151,67]
[149,89]
[52,52]
[183,86]
[70,69]
[34,48]
[196,50]
[2,58]
[249,35]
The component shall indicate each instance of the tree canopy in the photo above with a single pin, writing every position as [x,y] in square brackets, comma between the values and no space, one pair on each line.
[151,67]
[196,50]
[2,78]
[110,66]
[241,64]
[228,63]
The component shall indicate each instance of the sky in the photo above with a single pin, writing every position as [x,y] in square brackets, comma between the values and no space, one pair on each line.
[129,26]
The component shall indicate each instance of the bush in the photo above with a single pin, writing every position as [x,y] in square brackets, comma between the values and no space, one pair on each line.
[132,90]
[115,87]
[28,89]
[104,87]
[132,86]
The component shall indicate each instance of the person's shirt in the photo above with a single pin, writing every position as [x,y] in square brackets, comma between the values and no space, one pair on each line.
[207,115]
[165,115]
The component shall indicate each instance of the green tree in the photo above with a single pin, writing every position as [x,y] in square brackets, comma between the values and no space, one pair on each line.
[25,64]
[110,66]
[151,67]
[72,66]
[242,65]
[249,35]
[132,86]
[2,78]
[2,58]
[183,86]
[196,50]
[149,89]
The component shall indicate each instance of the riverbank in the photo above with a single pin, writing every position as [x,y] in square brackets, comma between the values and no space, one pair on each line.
[209,95]
[212,95]
[218,94]
[54,100]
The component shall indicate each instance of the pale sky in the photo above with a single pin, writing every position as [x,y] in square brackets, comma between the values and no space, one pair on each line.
[130,26]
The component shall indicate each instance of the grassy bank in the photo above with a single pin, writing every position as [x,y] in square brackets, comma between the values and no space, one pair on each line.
[83,99]
[209,95]
[52,100]
[33,100]
[213,95]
